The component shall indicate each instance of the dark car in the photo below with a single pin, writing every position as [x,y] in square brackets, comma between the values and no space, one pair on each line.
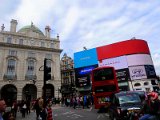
[124,103]
[142,94]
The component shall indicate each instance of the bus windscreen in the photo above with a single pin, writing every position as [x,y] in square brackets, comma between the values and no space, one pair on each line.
[103,74]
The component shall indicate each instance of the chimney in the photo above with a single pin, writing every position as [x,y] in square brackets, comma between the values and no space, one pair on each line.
[13,25]
[47,30]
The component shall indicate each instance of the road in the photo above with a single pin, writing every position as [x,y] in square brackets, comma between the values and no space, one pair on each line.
[68,113]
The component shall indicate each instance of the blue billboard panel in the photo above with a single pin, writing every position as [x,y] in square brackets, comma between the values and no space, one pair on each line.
[85,58]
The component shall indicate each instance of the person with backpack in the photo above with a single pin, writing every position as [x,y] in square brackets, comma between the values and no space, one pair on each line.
[150,108]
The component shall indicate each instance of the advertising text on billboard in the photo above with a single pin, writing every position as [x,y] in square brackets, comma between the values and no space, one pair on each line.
[137,72]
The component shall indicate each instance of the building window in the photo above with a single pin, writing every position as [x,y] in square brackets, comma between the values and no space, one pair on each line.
[52,45]
[32,42]
[21,41]
[11,67]
[146,83]
[9,40]
[137,84]
[30,68]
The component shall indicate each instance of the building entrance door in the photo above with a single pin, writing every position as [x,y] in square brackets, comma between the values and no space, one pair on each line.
[29,92]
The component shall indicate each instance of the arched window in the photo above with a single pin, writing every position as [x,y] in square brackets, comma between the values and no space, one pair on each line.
[137,84]
[146,83]
[11,67]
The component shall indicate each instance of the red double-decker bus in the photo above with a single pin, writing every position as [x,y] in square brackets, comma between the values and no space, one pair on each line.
[104,83]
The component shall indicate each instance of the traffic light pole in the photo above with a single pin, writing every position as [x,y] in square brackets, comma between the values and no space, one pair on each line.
[44,84]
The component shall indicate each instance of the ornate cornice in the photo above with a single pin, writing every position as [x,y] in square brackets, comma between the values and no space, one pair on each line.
[26,36]
[30,47]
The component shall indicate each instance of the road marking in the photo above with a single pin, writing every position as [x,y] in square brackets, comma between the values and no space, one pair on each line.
[100,116]
[77,115]
[70,112]
[106,114]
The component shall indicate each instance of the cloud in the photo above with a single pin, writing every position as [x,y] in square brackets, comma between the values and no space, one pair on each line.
[89,23]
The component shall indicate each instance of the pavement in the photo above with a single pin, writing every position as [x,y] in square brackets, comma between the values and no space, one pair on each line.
[31,116]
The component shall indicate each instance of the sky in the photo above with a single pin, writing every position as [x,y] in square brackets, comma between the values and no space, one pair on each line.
[89,23]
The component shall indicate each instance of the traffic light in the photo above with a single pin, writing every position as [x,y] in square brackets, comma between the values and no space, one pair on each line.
[47,71]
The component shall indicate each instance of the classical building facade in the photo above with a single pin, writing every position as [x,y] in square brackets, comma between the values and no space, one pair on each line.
[22,55]
[68,76]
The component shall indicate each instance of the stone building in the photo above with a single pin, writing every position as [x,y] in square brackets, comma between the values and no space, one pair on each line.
[22,55]
[68,76]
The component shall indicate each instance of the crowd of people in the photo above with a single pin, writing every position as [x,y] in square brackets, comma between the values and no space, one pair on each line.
[77,101]
[42,109]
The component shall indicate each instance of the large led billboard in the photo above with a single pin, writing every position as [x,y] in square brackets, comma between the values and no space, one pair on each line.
[85,58]
[123,48]
[82,75]
[117,62]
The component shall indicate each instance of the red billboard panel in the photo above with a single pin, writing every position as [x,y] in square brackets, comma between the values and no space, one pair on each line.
[123,48]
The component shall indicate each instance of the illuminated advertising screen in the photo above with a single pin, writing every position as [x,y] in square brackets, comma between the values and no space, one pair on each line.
[122,74]
[137,72]
[82,75]
[85,58]
[117,62]
[139,59]
[150,71]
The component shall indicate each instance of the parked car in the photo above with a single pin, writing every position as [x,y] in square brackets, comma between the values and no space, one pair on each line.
[124,103]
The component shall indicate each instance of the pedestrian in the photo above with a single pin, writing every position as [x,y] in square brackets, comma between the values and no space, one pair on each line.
[49,110]
[2,108]
[23,108]
[43,113]
[74,102]
[14,108]
[150,107]
[37,108]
